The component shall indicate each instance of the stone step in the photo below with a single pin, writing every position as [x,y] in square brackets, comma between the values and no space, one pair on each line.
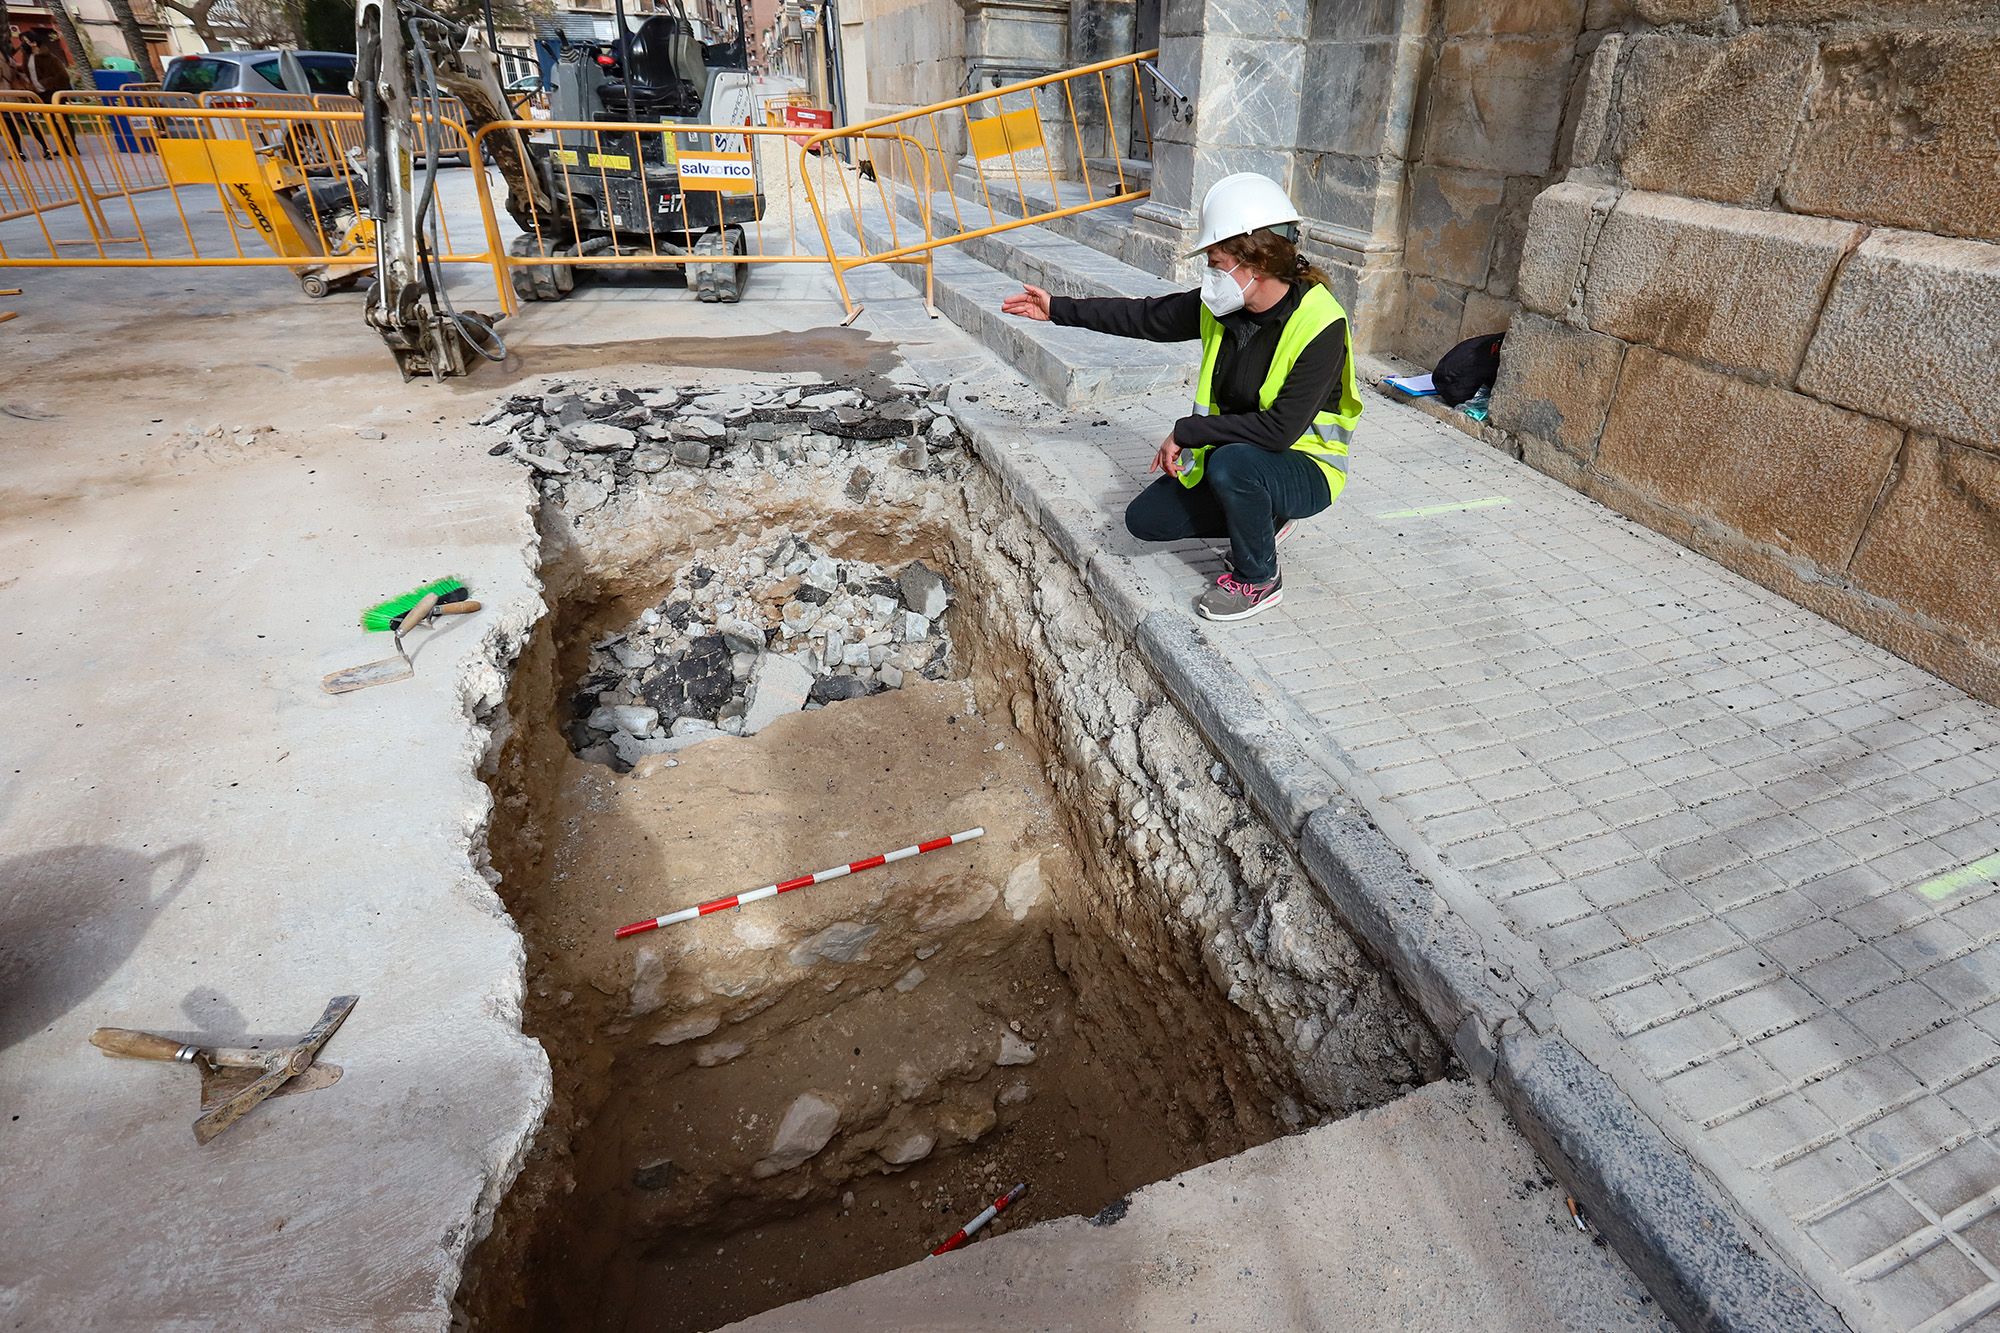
[1107,230]
[1138,170]
[1074,368]
[1039,254]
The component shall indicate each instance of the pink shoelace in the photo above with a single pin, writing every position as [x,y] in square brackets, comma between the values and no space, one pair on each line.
[1254,591]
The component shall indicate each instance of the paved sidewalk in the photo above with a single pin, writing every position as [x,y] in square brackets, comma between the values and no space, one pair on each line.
[1744,861]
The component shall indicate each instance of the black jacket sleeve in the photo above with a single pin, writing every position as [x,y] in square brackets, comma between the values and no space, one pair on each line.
[1161,319]
[1278,427]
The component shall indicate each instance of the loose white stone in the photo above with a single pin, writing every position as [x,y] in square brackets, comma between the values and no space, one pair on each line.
[1014,1051]
[632,719]
[686,1030]
[808,1126]
[778,687]
[841,942]
[911,1148]
[1024,888]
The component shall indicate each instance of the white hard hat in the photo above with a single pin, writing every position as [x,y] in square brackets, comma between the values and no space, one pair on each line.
[1240,204]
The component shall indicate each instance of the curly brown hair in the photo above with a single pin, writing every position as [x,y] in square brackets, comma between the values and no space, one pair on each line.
[1274,256]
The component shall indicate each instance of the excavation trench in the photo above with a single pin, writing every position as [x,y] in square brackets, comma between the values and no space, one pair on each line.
[1127,976]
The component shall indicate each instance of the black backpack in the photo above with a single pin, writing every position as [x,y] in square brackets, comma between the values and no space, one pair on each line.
[1467,368]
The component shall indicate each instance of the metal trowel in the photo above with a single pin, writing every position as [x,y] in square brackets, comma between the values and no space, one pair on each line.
[389,669]
[235,1079]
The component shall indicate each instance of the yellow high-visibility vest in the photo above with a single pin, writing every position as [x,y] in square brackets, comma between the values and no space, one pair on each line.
[1332,428]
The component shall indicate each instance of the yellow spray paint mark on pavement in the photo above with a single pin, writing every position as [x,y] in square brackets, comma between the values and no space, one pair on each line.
[1937,890]
[1460,507]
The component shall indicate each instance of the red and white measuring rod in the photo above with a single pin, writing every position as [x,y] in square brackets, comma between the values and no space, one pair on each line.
[993,1210]
[821,877]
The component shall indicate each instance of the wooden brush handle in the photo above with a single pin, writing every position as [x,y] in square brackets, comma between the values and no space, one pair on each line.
[404,622]
[136,1045]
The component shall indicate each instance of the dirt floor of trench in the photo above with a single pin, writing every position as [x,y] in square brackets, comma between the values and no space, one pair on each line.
[892,995]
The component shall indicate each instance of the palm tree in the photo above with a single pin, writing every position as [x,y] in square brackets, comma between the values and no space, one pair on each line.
[79,54]
[135,41]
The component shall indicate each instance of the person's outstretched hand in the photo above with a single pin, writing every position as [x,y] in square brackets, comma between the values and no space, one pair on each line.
[1168,459]
[1028,303]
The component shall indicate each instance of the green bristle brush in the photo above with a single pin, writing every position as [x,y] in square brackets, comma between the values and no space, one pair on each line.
[453,600]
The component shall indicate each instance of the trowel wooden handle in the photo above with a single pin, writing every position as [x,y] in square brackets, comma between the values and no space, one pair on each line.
[415,616]
[136,1045]
[404,622]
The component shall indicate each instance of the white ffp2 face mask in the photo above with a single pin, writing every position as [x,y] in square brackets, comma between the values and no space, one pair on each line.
[1219,291]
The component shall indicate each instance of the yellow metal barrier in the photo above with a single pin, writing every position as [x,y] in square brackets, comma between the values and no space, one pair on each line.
[1044,131]
[174,186]
[774,106]
[281,173]
[665,195]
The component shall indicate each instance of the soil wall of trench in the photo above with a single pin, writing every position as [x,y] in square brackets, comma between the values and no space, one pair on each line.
[1128,976]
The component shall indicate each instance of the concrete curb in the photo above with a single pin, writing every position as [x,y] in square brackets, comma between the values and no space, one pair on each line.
[1645,1196]
[1696,1256]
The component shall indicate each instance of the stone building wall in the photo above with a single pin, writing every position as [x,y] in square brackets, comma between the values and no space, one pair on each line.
[1762,314]
[1501,85]
[915,55]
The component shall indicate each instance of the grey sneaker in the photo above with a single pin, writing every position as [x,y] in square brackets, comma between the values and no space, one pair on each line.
[1229,598]
[1285,529]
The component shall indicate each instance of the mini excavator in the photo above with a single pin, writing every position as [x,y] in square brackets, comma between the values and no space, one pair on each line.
[656,70]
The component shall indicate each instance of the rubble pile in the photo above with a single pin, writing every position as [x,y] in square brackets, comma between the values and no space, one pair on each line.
[586,441]
[730,649]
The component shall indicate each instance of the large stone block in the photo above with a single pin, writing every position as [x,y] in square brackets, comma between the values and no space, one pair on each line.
[1777,467]
[1556,383]
[1452,217]
[1355,20]
[1181,64]
[1735,287]
[1432,313]
[1361,194]
[1510,231]
[1497,103]
[1512,17]
[1485,314]
[1561,224]
[1912,332]
[1259,20]
[1900,129]
[1181,18]
[1355,107]
[1711,118]
[1935,545]
[1589,114]
[1852,11]
[1249,92]
[1678,11]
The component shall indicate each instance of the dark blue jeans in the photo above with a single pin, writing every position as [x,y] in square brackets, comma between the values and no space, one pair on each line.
[1245,494]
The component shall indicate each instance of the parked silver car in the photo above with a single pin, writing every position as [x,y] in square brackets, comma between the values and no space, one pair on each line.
[304,72]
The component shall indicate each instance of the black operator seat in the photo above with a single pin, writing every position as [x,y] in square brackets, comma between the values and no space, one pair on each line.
[667,76]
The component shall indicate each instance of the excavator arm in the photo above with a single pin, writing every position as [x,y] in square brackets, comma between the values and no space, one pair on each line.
[406,55]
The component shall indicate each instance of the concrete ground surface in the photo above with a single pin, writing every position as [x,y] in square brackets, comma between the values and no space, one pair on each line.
[1429,1213]
[200,842]
[1743,860]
